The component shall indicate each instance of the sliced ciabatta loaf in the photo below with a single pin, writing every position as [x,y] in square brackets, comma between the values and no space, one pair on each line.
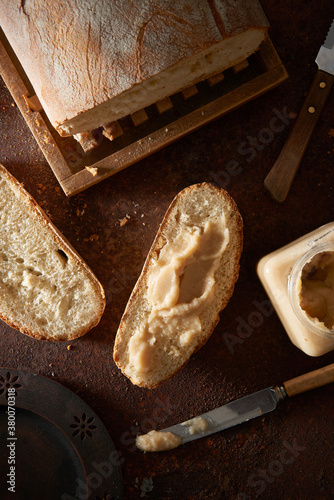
[91,63]
[46,290]
[187,279]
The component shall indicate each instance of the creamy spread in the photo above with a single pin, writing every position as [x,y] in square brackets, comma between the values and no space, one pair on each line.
[317,288]
[158,441]
[275,271]
[180,286]
[166,440]
[196,425]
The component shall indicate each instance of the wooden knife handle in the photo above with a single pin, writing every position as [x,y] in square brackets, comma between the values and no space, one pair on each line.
[280,177]
[310,380]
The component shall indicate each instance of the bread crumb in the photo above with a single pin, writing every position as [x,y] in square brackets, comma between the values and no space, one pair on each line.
[92,170]
[123,221]
[47,139]
[147,486]
[92,237]
[69,347]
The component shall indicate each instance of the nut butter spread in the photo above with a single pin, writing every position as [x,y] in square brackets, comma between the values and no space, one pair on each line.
[317,288]
[158,441]
[196,425]
[166,440]
[180,286]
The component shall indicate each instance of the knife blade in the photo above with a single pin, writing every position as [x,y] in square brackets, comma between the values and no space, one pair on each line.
[235,412]
[280,178]
[229,415]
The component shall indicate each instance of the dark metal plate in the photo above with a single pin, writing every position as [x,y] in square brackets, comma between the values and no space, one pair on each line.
[53,446]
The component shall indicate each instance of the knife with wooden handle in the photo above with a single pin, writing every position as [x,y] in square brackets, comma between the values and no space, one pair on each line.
[234,413]
[282,174]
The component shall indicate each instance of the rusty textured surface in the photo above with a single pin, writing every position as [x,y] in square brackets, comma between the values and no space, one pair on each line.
[249,461]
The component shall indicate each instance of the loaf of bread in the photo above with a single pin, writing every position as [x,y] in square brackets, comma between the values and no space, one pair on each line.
[187,279]
[46,290]
[92,63]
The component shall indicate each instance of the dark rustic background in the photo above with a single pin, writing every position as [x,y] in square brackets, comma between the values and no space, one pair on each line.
[244,462]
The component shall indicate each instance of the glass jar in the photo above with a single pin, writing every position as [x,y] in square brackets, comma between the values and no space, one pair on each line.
[307,279]
[281,274]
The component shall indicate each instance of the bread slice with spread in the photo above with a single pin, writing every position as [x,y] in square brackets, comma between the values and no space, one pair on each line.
[187,279]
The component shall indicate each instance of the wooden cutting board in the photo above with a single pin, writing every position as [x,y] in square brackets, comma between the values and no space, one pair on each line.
[106,151]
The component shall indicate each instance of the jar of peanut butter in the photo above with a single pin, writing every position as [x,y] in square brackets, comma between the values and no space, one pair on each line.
[299,280]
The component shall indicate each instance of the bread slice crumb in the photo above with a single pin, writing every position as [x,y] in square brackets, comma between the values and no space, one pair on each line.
[47,291]
[92,170]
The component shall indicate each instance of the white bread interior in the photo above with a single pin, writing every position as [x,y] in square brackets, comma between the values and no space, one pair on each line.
[189,211]
[46,290]
[201,66]
[91,63]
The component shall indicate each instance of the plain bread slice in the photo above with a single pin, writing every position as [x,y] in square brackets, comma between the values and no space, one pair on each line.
[47,291]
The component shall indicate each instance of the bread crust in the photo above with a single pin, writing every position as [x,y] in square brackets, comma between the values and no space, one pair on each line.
[151,257]
[64,245]
[81,55]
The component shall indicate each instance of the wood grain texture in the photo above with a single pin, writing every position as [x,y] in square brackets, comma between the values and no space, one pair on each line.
[281,176]
[15,81]
[308,381]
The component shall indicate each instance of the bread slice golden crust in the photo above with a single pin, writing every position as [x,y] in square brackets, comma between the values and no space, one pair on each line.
[188,214]
[47,291]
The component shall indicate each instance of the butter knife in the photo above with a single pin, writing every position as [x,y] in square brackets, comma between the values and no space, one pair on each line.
[244,409]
